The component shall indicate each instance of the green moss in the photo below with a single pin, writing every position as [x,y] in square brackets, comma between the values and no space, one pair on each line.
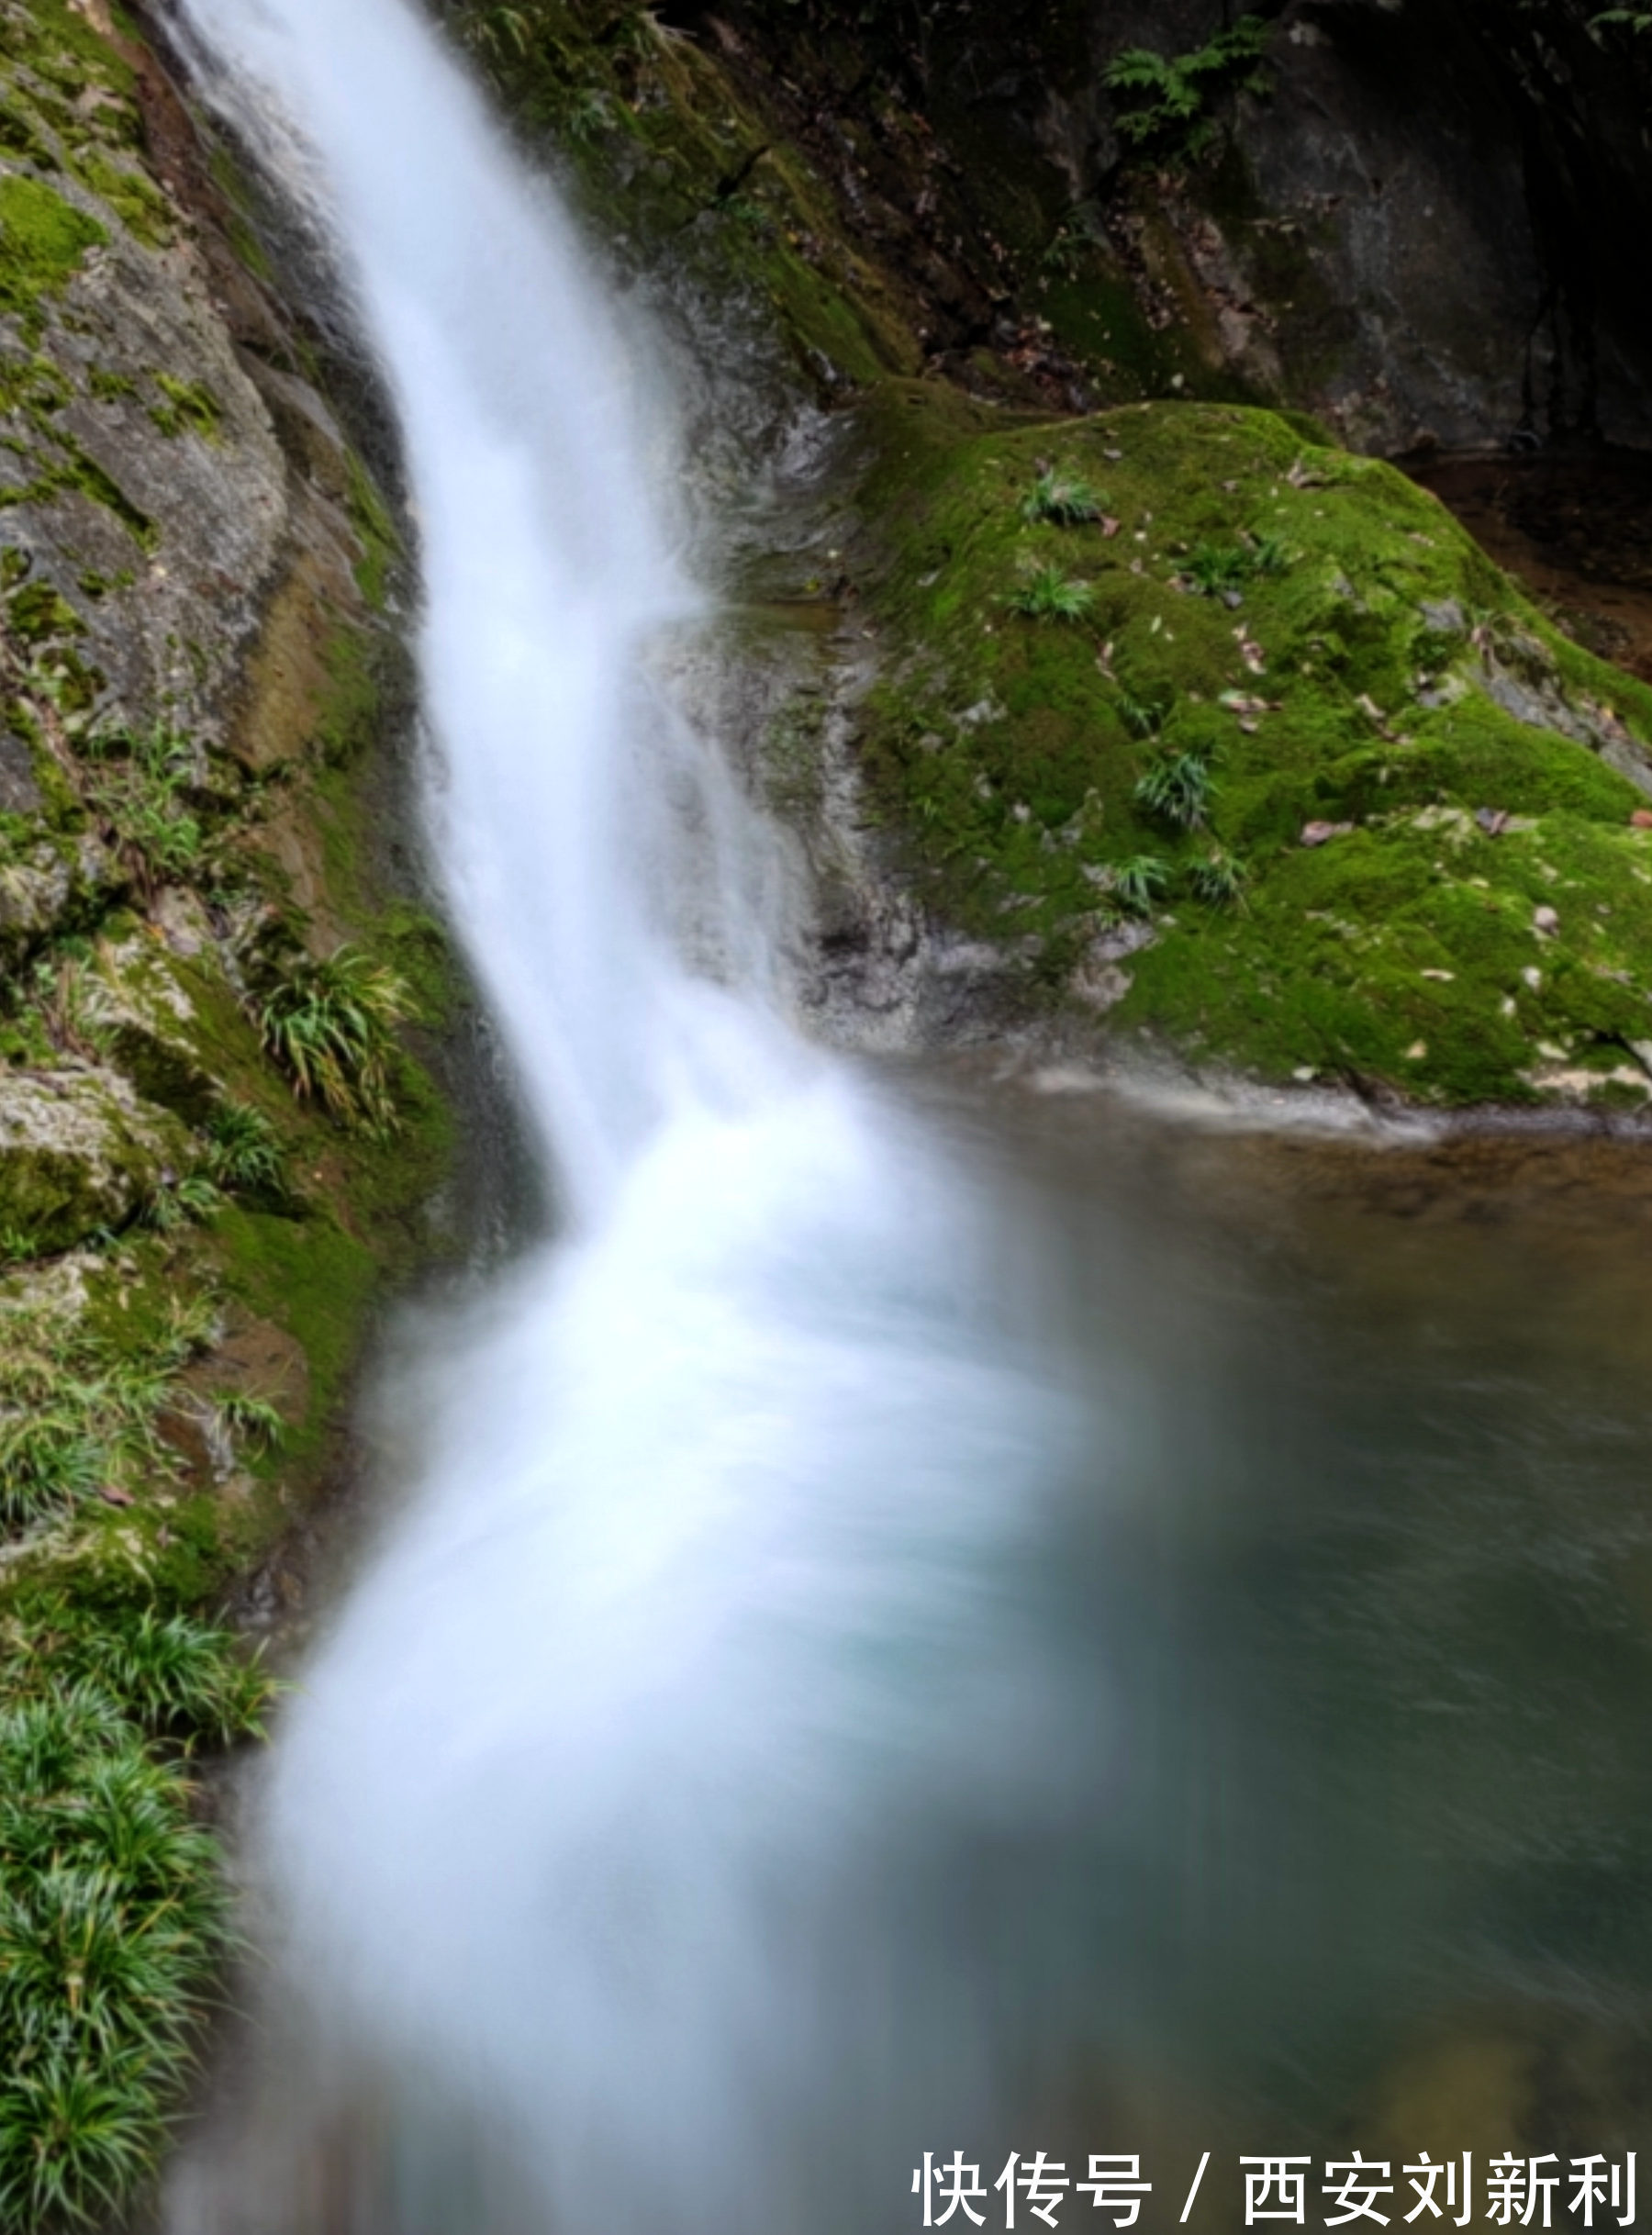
[43,243]
[190,406]
[20,136]
[347,720]
[134,198]
[376,531]
[61,47]
[1353,679]
[36,614]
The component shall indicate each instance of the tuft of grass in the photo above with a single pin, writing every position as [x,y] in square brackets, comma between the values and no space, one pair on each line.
[178,1678]
[189,1201]
[112,1902]
[1049,595]
[251,1420]
[1066,500]
[1177,789]
[47,1463]
[1269,556]
[1144,718]
[330,1025]
[1215,569]
[244,1154]
[1138,882]
[1218,880]
[142,786]
[79,1415]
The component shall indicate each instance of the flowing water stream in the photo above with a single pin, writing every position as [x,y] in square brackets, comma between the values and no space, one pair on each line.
[918,1623]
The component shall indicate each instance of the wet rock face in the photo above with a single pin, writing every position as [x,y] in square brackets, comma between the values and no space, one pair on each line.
[1425,230]
[1449,180]
[154,497]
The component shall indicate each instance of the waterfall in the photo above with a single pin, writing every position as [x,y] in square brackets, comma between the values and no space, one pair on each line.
[600,1817]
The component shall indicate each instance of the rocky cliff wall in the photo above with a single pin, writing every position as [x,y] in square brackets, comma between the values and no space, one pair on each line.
[217,1140]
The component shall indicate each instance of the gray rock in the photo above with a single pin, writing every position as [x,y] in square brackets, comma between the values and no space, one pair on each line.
[78,1151]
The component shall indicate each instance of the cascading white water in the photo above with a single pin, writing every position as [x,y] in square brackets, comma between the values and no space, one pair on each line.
[705,1608]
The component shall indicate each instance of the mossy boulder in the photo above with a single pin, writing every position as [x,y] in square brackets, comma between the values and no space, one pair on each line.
[1411,855]
[79,1152]
[51,886]
[136,996]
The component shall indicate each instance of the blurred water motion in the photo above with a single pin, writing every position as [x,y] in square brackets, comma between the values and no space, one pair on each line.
[926,1621]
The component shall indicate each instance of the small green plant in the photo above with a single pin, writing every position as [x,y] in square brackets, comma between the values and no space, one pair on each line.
[1062,254]
[330,1025]
[1064,500]
[1215,569]
[1218,880]
[142,787]
[1137,883]
[1269,555]
[189,1201]
[243,1151]
[1144,718]
[1165,100]
[1177,789]
[1049,595]
[251,1420]
[586,113]
[48,1462]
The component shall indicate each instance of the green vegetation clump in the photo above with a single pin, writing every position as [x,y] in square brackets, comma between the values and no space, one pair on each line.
[330,1024]
[142,788]
[1068,502]
[1165,101]
[43,241]
[81,1415]
[1395,797]
[1049,595]
[190,405]
[112,1904]
[244,1154]
[1177,788]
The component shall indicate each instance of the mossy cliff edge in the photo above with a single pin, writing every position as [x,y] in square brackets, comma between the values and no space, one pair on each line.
[1248,756]
[216,1142]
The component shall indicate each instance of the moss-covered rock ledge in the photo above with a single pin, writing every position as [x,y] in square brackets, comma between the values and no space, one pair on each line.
[1243,745]
[217,1142]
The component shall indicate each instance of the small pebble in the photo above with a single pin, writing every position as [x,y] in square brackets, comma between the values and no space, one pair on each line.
[1545,919]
